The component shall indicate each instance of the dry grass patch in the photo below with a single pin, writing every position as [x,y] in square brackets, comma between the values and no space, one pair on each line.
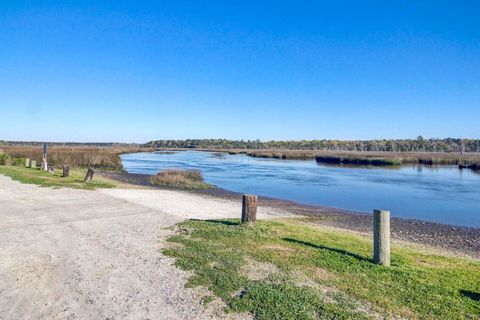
[105,158]
[276,247]
[256,270]
[182,179]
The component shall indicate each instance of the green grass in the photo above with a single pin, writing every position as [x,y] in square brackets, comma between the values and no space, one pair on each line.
[45,179]
[322,273]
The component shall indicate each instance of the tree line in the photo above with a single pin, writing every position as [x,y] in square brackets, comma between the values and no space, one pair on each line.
[419,144]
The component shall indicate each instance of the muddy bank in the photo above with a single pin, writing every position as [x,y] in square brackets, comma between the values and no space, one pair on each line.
[457,239]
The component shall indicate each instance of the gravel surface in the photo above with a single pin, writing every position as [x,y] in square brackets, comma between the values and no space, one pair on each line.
[76,254]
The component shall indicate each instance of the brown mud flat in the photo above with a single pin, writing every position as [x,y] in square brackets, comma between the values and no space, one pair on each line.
[457,239]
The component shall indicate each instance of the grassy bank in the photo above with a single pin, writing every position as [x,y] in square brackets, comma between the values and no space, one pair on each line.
[291,270]
[46,179]
[105,158]
[471,160]
[180,179]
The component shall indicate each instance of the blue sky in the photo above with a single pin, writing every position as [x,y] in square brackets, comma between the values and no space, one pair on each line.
[133,71]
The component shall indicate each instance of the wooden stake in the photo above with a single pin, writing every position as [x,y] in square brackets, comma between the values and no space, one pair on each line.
[381,237]
[89,175]
[66,171]
[249,208]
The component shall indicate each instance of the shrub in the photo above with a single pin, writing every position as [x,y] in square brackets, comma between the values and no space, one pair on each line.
[3,158]
[18,162]
[178,178]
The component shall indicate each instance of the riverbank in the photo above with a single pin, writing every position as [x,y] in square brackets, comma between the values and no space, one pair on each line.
[111,253]
[358,158]
[458,240]
[291,269]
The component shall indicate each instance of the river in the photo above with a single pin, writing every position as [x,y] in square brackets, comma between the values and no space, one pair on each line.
[442,194]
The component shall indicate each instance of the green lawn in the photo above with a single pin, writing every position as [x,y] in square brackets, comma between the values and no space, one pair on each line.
[45,179]
[290,270]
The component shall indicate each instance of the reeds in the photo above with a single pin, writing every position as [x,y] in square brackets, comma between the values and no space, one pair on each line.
[178,178]
[104,158]
[370,158]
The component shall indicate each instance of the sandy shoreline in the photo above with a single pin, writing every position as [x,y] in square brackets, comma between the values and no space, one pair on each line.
[457,239]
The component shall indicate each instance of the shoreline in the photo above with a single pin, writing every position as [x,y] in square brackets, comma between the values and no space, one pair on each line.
[457,239]
[380,159]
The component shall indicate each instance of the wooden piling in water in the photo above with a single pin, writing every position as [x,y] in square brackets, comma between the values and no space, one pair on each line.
[249,209]
[381,237]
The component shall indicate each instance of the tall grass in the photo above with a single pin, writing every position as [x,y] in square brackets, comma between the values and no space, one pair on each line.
[369,158]
[105,158]
[177,178]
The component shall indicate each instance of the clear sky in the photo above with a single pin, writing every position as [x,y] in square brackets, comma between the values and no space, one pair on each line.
[133,71]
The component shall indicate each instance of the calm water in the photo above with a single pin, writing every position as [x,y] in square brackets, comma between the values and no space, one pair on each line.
[441,194]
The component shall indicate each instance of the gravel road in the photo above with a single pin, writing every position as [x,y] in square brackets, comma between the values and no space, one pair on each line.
[75,254]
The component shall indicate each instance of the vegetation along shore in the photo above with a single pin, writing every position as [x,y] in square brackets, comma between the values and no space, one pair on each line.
[462,152]
[99,156]
[309,262]
[456,239]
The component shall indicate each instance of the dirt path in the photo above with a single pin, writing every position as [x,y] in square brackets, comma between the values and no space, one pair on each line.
[74,254]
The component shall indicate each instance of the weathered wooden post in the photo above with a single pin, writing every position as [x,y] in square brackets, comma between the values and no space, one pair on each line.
[381,237]
[33,164]
[89,175]
[27,162]
[66,171]
[44,159]
[249,208]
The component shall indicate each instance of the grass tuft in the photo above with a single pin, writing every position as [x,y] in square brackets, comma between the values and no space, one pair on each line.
[182,179]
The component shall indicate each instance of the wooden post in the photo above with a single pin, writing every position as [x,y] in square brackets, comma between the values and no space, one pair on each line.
[27,162]
[89,175]
[44,165]
[66,171]
[34,164]
[381,237]
[249,208]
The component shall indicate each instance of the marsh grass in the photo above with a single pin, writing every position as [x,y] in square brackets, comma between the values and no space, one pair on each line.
[367,158]
[46,179]
[104,158]
[181,179]
[323,273]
